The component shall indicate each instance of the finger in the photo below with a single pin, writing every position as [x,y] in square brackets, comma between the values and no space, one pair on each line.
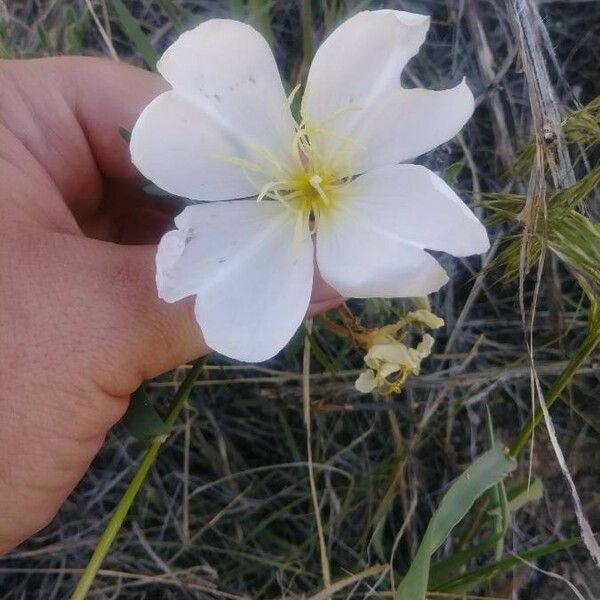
[67,111]
[128,216]
[321,306]
[323,296]
[147,335]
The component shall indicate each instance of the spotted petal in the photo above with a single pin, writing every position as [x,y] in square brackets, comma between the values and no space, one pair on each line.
[181,149]
[227,108]
[252,286]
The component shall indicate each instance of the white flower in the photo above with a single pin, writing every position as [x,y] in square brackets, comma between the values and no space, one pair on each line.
[225,132]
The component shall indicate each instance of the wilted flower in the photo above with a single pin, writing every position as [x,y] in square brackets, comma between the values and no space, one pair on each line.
[389,360]
[226,132]
[390,365]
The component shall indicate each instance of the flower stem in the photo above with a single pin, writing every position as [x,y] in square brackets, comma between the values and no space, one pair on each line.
[589,344]
[307,46]
[236,8]
[116,521]
[325,569]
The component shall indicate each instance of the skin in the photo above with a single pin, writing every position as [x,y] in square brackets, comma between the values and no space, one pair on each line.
[80,322]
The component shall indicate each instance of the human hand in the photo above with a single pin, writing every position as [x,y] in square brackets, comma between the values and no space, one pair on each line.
[80,322]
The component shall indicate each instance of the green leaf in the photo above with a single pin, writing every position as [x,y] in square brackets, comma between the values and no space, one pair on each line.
[488,470]
[141,419]
[125,133]
[259,15]
[236,9]
[452,172]
[75,30]
[134,32]
[517,496]
[525,492]
[447,569]
[501,515]
[173,12]
[319,353]
[293,346]
[477,577]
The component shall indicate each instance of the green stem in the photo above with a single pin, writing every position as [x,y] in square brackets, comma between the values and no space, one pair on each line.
[590,343]
[325,568]
[307,46]
[236,8]
[116,521]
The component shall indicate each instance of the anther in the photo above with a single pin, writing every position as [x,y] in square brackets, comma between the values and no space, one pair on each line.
[315,181]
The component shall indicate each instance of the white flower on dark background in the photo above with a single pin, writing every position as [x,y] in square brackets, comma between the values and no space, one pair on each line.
[330,186]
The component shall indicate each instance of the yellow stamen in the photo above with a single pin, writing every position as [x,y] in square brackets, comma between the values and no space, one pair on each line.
[307,184]
[316,181]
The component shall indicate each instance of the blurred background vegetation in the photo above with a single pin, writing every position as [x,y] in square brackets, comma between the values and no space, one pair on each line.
[227,511]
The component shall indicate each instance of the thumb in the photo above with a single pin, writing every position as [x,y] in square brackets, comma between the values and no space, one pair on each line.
[152,336]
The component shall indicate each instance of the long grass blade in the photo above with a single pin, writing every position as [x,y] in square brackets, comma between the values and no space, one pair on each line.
[134,32]
[477,577]
[488,470]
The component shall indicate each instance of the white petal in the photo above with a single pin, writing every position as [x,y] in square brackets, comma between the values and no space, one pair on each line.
[183,151]
[362,59]
[369,243]
[228,69]
[406,123]
[424,347]
[360,259]
[414,204]
[359,63]
[252,286]
[366,382]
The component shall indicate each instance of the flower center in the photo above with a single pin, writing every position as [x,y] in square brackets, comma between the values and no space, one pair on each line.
[307,194]
[308,188]
[312,193]
[305,181]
